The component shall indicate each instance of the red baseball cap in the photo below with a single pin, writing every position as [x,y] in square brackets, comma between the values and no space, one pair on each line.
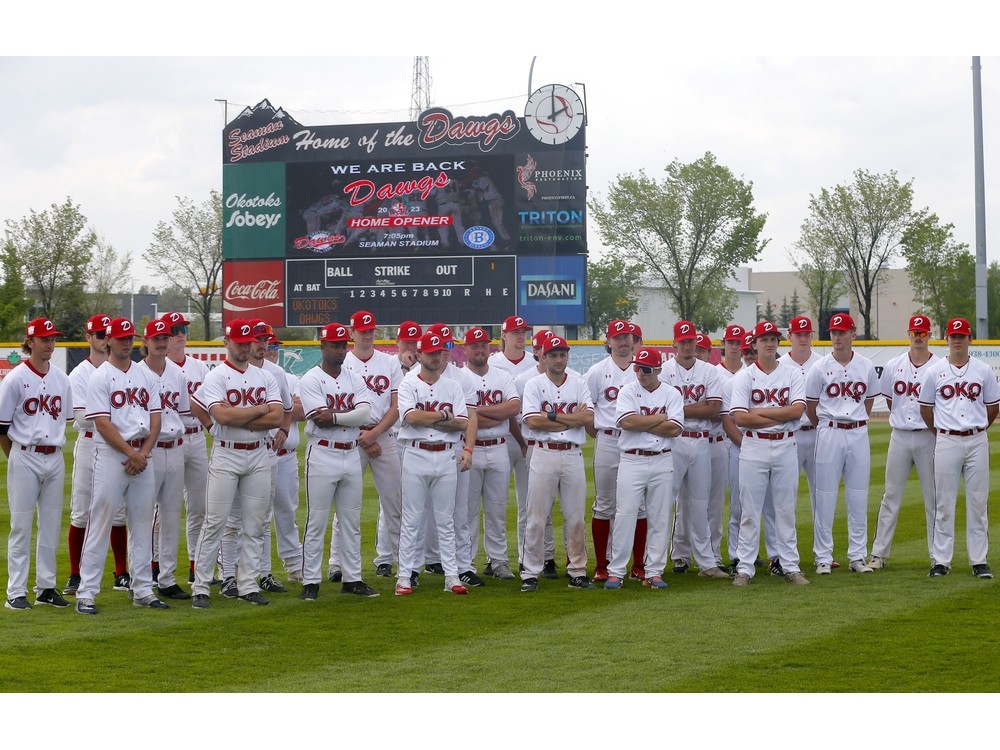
[175,319]
[842,322]
[431,342]
[260,328]
[158,327]
[541,337]
[765,328]
[514,323]
[408,331]
[704,341]
[334,332]
[239,331]
[474,335]
[747,342]
[958,327]
[684,330]
[441,330]
[800,324]
[618,328]
[553,343]
[648,357]
[734,332]
[920,323]
[363,320]
[120,328]
[42,328]
[98,323]
[635,330]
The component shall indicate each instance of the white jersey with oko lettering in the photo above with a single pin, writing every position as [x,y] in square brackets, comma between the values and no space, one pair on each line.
[127,398]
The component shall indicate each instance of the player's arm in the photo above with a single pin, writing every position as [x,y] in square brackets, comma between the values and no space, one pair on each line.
[199,413]
[730,427]
[149,442]
[384,424]
[708,409]
[991,414]
[499,413]
[769,416]
[5,443]
[811,412]
[515,432]
[242,416]
[353,417]
[927,414]
[869,403]
[269,420]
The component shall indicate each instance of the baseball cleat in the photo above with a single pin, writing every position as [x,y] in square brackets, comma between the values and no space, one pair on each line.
[228,589]
[435,568]
[937,571]
[335,574]
[360,588]
[715,572]
[858,566]
[268,583]
[529,584]
[549,570]
[741,579]
[454,585]
[877,563]
[488,570]
[580,582]
[86,606]
[123,581]
[601,574]
[796,579]
[18,603]
[309,592]
[469,578]
[254,597]
[638,574]
[681,566]
[384,571]
[402,589]
[655,582]
[822,569]
[774,566]
[174,592]
[50,597]
[613,582]
[150,602]
[200,601]
[982,571]
[414,579]
[294,576]
[72,585]
[501,571]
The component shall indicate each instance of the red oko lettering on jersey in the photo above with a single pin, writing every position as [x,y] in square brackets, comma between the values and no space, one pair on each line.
[970,391]
[340,402]
[906,389]
[377,384]
[847,389]
[246,396]
[691,394]
[489,398]
[170,400]
[192,387]
[611,393]
[436,406]
[44,404]
[560,408]
[130,397]
[769,396]
[646,411]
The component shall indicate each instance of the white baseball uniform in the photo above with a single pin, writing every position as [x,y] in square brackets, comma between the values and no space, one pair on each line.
[960,397]
[911,444]
[843,395]
[644,478]
[805,436]
[35,408]
[286,494]
[285,390]
[195,452]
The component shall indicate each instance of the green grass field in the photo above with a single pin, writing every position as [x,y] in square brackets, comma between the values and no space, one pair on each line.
[891,631]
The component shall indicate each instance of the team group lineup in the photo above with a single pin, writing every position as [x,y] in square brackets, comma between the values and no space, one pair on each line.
[442,441]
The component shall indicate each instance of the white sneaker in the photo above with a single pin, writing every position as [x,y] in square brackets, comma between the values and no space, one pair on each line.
[858,566]
[454,585]
[877,563]
[823,569]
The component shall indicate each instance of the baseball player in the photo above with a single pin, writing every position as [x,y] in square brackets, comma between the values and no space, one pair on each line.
[83,466]
[433,415]
[123,400]
[557,407]
[840,390]
[244,404]
[701,390]
[650,414]
[167,458]
[605,379]
[720,459]
[911,443]
[732,363]
[336,403]
[497,401]
[767,402]
[959,400]
[34,407]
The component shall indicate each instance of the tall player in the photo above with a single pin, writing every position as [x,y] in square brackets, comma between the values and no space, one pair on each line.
[605,379]
[34,407]
[959,400]
[122,399]
[720,459]
[840,391]
[732,363]
[911,443]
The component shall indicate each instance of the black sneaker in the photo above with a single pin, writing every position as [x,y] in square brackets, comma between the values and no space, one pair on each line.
[309,592]
[335,574]
[50,597]
[267,583]
[200,601]
[938,570]
[775,567]
[435,568]
[228,589]
[982,571]
[360,588]
[254,597]
[488,570]
[17,603]
[156,575]
[681,566]
[150,602]
[72,585]
[174,592]
[580,582]
[549,570]
[123,582]
[469,578]
[759,562]
[384,571]
[529,584]
[414,579]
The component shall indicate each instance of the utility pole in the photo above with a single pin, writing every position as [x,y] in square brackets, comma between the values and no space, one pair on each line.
[982,317]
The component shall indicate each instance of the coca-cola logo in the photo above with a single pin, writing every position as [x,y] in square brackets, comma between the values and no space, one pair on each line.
[264,290]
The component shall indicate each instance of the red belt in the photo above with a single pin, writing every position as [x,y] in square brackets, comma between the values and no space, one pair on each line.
[532,442]
[807,428]
[487,443]
[135,443]
[637,452]
[45,450]
[171,443]
[613,433]
[338,446]
[846,425]
[717,439]
[770,435]
[192,430]
[962,433]
[89,435]
[431,446]
[695,434]
[283,452]
[558,446]
[240,446]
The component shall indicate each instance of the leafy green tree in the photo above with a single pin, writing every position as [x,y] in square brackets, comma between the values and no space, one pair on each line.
[942,272]
[819,270]
[612,286]
[768,313]
[862,225]
[109,278]
[688,231]
[13,303]
[784,313]
[187,251]
[53,249]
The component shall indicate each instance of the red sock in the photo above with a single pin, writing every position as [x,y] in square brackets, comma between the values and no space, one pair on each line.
[639,545]
[119,548]
[192,566]
[76,536]
[601,529]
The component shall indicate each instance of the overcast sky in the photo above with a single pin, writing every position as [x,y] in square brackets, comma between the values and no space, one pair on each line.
[122,136]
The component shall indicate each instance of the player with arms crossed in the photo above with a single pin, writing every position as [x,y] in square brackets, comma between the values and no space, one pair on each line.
[959,400]
[911,443]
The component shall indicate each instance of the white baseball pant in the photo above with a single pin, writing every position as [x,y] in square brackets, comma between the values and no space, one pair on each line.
[429,480]
[841,453]
[168,471]
[967,458]
[553,472]
[34,481]
[907,449]
[333,479]
[489,481]
[643,481]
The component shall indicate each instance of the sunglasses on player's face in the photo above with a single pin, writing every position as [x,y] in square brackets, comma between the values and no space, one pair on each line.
[178,330]
[100,334]
[919,334]
[647,370]
[272,347]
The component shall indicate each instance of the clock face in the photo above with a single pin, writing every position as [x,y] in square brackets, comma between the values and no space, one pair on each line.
[554,114]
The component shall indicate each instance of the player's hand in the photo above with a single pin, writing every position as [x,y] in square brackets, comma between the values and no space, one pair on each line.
[323,418]
[372,451]
[278,441]
[408,359]
[465,460]
[367,440]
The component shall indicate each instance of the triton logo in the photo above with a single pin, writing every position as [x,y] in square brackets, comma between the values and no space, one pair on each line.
[550,290]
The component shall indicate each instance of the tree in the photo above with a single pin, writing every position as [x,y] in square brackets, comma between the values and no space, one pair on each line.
[688,231]
[784,313]
[611,292]
[187,252]
[825,282]
[13,304]
[942,272]
[768,313]
[53,251]
[109,278]
[862,224]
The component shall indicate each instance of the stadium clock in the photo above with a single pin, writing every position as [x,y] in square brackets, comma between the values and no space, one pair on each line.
[554,114]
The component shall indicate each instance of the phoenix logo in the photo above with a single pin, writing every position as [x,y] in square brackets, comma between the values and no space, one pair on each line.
[524,175]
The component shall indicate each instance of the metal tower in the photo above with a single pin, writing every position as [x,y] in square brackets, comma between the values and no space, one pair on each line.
[421,97]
